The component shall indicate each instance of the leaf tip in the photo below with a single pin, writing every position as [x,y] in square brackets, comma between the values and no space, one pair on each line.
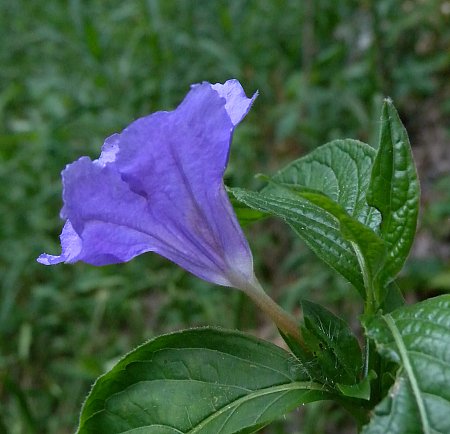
[389,112]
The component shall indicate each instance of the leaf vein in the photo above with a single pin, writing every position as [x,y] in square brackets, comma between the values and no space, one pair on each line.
[409,371]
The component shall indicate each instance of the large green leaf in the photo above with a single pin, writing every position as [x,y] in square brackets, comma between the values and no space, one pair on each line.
[204,381]
[418,339]
[341,171]
[394,191]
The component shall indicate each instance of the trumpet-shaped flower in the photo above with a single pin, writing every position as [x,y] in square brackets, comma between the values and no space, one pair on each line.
[158,186]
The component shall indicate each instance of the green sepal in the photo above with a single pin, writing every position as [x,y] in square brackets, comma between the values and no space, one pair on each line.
[333,343]
[332,354]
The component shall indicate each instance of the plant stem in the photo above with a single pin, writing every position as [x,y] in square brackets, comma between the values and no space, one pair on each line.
[283,320]
[366,357]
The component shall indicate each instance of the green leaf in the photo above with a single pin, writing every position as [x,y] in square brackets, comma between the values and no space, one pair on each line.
[369,248]
[333,344]
[418,339]
[245,214]
[393,299]
[333,354]
[394,191]
[318,229]
[360,390]
[340,170]
[204,381]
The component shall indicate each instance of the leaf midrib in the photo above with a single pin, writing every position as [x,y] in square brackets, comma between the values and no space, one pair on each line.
[301,385]
[409,372]
[298,385]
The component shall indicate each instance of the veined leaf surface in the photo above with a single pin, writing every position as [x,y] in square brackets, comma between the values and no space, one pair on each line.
[202,381]
[340,170]
[418,339]
[394,191]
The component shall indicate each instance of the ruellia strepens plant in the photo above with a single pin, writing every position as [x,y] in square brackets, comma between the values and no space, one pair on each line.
[158,187]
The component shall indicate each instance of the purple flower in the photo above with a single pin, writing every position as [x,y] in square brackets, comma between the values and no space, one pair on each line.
[158,186]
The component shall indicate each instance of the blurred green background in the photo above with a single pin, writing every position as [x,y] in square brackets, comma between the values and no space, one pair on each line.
[73,72]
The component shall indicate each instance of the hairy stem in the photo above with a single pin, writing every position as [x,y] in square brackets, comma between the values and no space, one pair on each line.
[283,320]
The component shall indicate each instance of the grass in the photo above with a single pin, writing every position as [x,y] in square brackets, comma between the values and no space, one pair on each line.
[75,72]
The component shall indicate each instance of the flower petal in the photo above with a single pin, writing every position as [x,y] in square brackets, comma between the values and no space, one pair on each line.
[110,149]
[71,246]
[237,104]
[158,187]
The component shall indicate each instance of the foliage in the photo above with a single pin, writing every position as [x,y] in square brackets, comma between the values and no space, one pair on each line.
[151,389]
[240,382]
[416,337]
